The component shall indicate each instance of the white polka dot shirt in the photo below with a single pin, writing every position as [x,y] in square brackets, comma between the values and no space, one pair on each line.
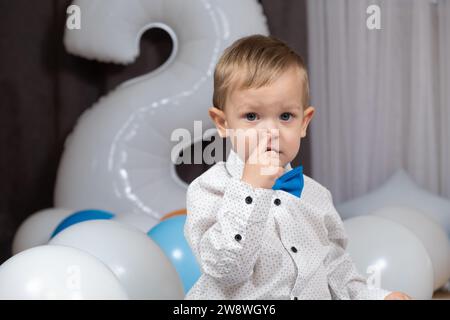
[256,243]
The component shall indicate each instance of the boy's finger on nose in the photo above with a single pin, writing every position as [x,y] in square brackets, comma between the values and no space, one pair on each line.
[254,136]
[262,143]
[253,140]
[274,158]
[263,137]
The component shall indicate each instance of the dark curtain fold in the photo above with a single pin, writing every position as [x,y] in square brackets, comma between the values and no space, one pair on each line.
[43,91]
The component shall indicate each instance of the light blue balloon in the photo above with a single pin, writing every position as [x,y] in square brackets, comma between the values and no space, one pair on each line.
[169,236]
[80,216]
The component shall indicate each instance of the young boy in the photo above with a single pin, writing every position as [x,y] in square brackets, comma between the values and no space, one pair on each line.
[259,228]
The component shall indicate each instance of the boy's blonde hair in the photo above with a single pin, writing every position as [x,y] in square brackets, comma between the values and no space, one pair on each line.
[253,62]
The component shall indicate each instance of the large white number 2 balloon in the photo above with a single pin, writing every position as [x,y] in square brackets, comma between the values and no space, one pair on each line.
[118,158]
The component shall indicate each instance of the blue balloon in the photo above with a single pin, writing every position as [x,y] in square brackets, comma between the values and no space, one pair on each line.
[169,236]
[81,216]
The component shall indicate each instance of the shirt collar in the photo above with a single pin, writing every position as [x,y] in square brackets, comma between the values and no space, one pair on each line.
[235,165]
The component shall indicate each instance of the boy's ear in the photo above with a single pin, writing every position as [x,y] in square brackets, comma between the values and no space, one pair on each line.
[218,117]
[308,114]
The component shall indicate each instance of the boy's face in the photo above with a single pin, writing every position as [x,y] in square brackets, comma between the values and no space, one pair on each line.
[276,108]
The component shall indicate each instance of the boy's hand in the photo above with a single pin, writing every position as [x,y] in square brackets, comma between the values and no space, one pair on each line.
[397,296]
[262,167]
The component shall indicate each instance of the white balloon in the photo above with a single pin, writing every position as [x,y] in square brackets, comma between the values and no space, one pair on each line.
[430,233]
[141,221]
[55,272]
[37,228]
[399,190]
[141,266]
[391,253]
[120,156]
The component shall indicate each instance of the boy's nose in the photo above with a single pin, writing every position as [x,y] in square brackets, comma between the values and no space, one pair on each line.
[273,137]
[271,126]
[274,132]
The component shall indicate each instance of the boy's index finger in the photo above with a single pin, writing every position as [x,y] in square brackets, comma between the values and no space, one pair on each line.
[262,144]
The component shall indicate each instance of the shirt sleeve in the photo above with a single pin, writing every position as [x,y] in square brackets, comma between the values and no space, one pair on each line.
[224,228]
[344,280]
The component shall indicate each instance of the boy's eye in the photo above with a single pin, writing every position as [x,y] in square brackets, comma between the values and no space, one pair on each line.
[251,116]
[285,116]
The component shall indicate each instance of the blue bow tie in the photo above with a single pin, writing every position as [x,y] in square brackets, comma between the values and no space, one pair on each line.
[291,181]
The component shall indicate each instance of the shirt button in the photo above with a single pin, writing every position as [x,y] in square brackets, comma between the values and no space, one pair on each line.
[277,201]
[294,249]
[248,200]
[238,237]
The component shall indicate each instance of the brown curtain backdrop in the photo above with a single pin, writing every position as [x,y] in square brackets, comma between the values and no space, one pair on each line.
[43,91]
